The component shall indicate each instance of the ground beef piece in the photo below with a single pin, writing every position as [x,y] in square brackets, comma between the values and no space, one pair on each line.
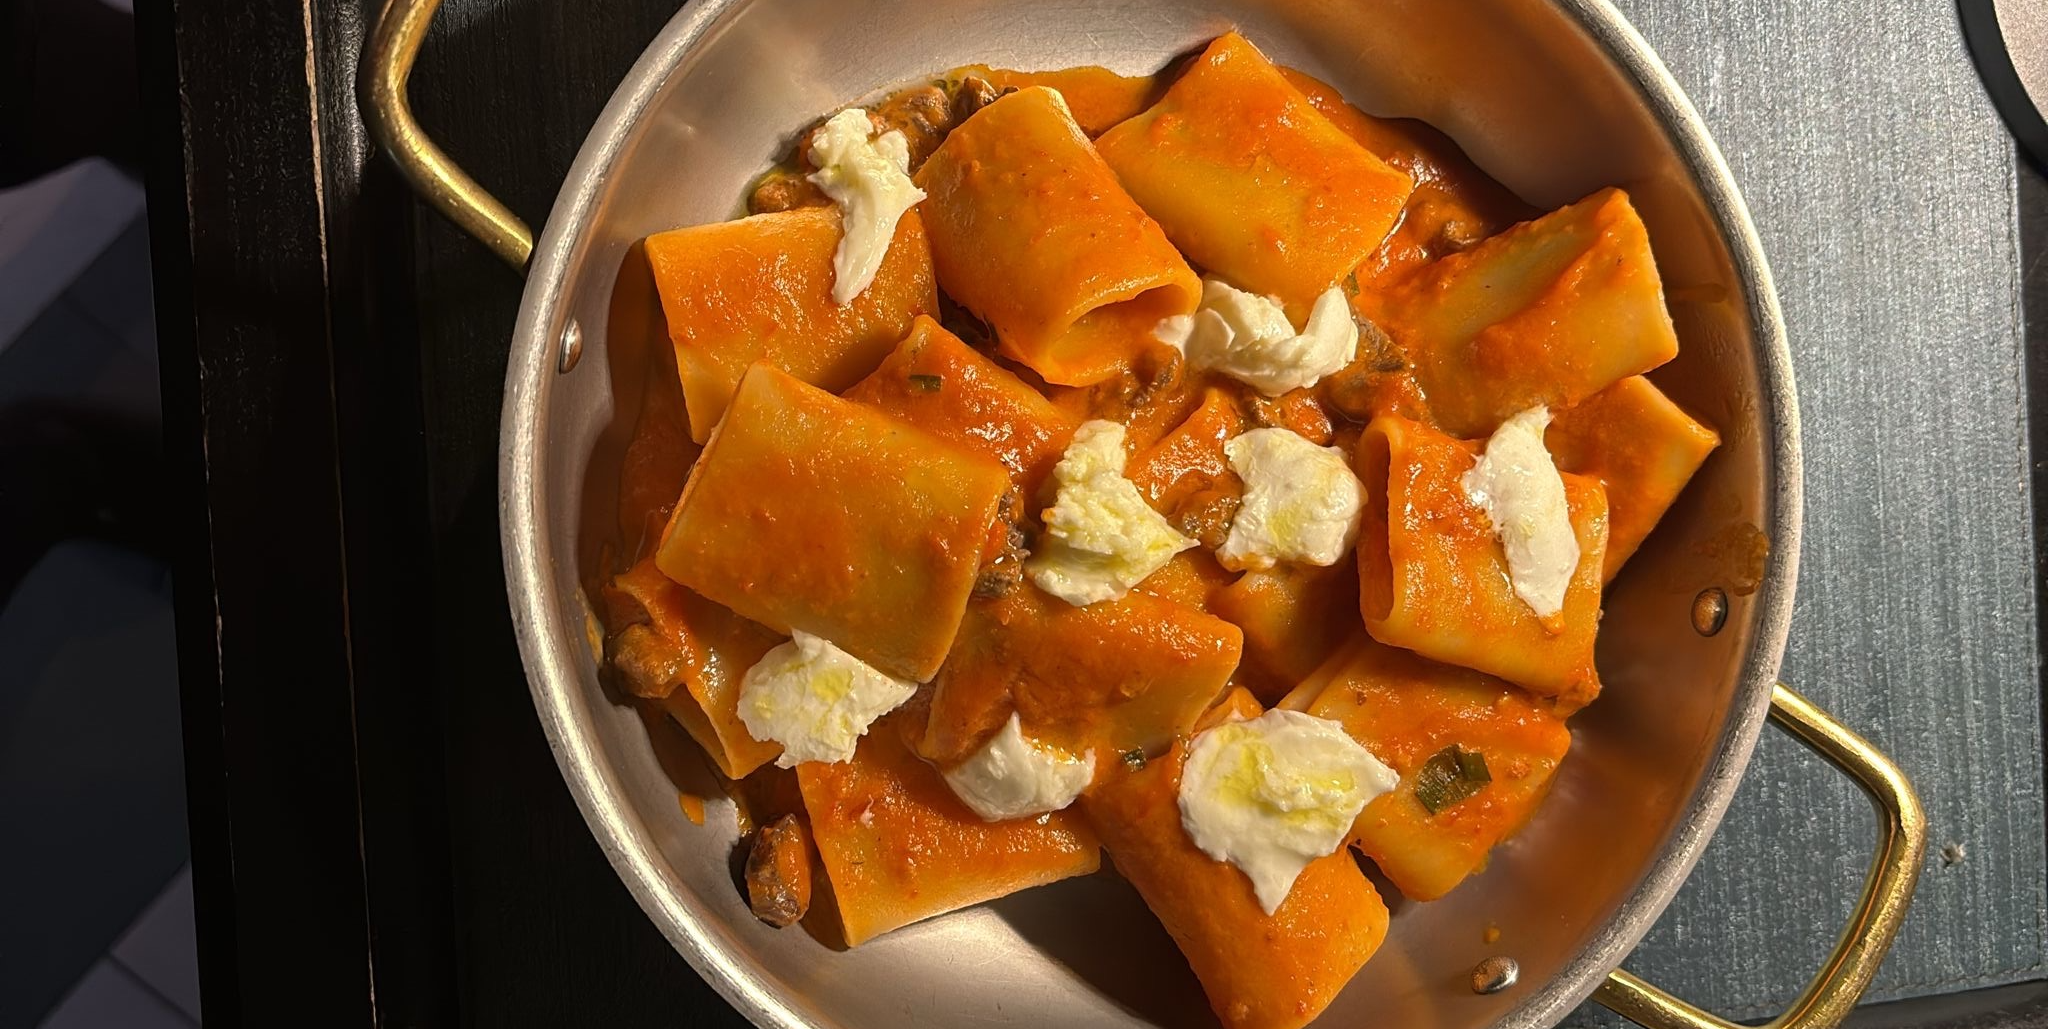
[1002,566]
[1296,410]
[973,94]
[648,664]
[1205,514]
[924,115]
[779,872]
[784,191]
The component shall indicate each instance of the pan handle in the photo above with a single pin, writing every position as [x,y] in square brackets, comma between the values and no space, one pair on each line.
[387,65]
[1887,889]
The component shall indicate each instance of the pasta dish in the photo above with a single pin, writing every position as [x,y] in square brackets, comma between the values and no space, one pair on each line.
[1191,471]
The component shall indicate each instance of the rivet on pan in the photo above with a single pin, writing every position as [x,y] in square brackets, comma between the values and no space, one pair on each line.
[1710,611]
[572,346]
[1495,974]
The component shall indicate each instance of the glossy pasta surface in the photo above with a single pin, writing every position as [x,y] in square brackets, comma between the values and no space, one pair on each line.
[1260,971]
[1432,578]
[1127,675]
[1251,181]
[936,382]
[1549,312]
[675,647]
[899,847]
[1408,709]
[1085,272]
[760,289]
[811,512]
[1642,447]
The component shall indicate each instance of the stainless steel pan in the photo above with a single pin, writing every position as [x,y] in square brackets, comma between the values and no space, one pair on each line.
[1553,97]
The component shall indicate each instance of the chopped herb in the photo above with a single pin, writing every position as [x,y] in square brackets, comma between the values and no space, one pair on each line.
[1134,760]
[926,383]
[1472,765]
[1451,775]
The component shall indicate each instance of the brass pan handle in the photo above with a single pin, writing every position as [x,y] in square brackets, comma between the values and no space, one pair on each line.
[1902,843]
[387,65]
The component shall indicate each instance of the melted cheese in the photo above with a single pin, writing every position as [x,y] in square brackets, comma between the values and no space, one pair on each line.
[1014,776]
[815,699]
[1517,485]
[1101,538]
[1301,502]
[1248,337]
[868,176]
[1274,793]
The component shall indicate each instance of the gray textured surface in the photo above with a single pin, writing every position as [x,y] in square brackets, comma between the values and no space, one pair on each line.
[1883,186]
[2024,24]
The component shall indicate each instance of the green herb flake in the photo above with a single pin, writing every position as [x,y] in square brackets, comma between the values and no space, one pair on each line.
[1472,766]
[1134,760]
[926,383]
[1451,775]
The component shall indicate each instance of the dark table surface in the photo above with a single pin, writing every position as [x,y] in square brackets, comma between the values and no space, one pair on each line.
[379,830]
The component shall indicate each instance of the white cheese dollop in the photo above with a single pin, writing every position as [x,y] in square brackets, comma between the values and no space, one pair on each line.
[1101,538]
[1274,793]
[1248,337]
[1014,776]
[1517,485]
[868,176]
[1301,502]
[815,699]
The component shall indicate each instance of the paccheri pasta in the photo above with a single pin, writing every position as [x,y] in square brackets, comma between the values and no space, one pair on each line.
[1049,491]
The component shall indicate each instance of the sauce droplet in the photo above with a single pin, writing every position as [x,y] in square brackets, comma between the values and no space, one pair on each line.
[1710,611]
